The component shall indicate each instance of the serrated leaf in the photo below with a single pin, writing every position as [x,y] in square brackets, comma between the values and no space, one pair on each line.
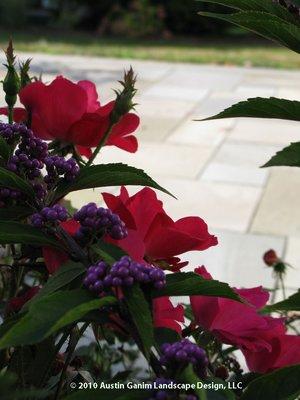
[292,303]
[289,157]
[191,284]
[258,5]
[108,252]
[11,180]
[50,314]
[188,376]
[15,232]
[259,107]
[265,24]
[65,275]
[141,316]
[107,175]
[282,384]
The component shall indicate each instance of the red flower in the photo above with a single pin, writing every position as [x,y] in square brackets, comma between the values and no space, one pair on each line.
[165,315]
[262,339]
[71,112]
[152,234]
[285,351]
[16,303]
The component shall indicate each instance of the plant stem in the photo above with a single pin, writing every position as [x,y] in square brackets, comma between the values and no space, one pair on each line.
[74,338]
[100,144]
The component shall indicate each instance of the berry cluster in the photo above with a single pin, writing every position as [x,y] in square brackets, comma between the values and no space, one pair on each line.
[183,353]
[56,213]
[124,272]
[58,167]
[29,157]
[11,132]
[8,195]
[99,221]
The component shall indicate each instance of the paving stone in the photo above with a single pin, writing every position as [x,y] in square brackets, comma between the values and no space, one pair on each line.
[239,163]
[156,129]
[222,205]
[207,133]
[256,91]
[237,259]
[175,92]
[157,107]
[161,160]
[278,212]
[266,131]
[292,256]
[203,79]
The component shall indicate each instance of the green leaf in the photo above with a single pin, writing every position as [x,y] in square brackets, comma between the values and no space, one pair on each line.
[258,5]
[292,303]
[282,384]
[15,232]
[11,180]
[191,284]
[50,314]
[259,107]
[223,393]
[265,24]
[289,157]
[4,149]
[141,316]
[65,275]
[108,175]
[189,376]
[108,252]
[14,213]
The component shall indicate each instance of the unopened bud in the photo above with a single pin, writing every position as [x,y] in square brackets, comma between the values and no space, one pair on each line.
[11,83]
[270,258]
[222,372]
[124,103]
[24,72]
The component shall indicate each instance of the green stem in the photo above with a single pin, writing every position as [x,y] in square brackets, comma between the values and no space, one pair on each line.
[10,115]
[74,338]
[100,145]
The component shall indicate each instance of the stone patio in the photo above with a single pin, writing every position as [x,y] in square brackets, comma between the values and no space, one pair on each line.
[212,167]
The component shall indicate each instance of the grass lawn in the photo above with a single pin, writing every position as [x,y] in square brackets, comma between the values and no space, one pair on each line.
[234,51]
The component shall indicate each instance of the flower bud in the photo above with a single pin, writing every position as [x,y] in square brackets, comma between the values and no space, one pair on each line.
[123,103]
[270,258]
[24,72]
[11,83]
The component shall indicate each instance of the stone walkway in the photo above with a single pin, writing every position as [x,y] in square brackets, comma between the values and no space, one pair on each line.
[212,167]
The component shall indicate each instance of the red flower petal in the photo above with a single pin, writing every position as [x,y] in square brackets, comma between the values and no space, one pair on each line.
[92,95]
[58,105]
[19,114]
[165,315]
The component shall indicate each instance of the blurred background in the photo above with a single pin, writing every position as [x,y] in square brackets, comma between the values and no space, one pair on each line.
[189,67]
[168,30]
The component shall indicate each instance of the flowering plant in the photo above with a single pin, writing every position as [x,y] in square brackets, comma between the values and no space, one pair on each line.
[87,295]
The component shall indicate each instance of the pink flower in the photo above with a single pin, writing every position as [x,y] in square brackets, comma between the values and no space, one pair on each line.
[165,315]
[284,350]
[152,234]
[236,323]
[262,339]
